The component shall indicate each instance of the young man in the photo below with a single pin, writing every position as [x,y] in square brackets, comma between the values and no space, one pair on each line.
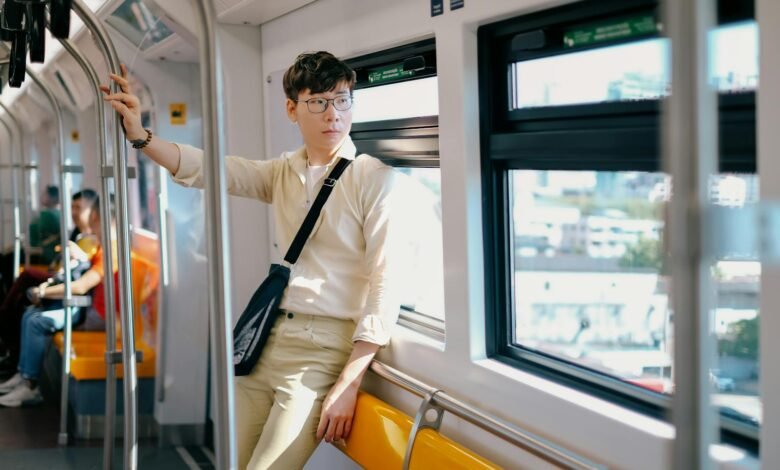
[39,322]
[342,301]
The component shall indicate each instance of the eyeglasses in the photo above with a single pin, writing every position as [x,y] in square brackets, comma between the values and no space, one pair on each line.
[319,105]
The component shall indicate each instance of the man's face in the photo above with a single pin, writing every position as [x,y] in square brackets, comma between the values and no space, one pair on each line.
[323,131]
[94,222]
[80,213]
[45,200]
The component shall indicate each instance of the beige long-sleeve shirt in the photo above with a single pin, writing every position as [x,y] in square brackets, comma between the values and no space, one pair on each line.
[347,268]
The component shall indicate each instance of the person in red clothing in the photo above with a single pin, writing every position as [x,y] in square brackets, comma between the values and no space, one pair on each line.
[13,305]
[39,322]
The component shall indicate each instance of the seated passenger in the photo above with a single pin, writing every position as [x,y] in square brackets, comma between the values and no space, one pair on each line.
[12,307]
[39,322]
[341,302]
[44,235]
[45,227]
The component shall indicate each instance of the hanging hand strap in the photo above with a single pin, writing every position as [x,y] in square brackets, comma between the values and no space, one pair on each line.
[314,213]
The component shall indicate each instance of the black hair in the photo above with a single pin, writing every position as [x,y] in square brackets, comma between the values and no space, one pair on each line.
[53,193]
[89,195]
[317,72]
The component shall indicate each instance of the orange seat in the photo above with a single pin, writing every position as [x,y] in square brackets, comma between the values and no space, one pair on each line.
[379,437]
[88,347]
[38,267]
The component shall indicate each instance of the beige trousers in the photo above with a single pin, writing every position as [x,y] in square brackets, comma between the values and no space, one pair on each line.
[278,405]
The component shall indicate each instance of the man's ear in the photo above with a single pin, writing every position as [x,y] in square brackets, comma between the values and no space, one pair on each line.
[292,110]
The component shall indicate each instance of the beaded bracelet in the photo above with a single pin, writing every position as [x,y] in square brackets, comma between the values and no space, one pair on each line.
[140,145]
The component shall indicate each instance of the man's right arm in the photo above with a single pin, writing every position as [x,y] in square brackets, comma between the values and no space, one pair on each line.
[246,178]
[164,153]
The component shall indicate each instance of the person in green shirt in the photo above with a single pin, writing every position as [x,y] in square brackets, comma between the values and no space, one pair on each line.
[45,229]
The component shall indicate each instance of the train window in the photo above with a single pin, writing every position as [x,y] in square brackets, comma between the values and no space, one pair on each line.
[411,99]
[396,120]
[587,252]
[626,72]
[633,71]
[575,201]
[734,57]
[735,376]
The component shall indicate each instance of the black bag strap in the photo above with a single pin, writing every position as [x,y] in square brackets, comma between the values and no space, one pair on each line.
[314,212]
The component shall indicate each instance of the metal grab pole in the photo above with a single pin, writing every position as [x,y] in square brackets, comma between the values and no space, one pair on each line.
[22,215]
[123,246]
[13,199]
[216,214]
[15,169]
[108,262]
[65,251]
[543,448]
[2,211]
[690,156]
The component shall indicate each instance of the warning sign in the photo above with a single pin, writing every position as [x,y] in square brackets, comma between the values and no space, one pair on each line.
[178,113]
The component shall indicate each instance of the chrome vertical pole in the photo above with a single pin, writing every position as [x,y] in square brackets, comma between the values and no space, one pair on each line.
[2,208]
[218,249]
[130,380]
[17,185]
[65,251]
[162,321]
[690,155]
[15,169]
[108,262]
[27,197]
[768,141]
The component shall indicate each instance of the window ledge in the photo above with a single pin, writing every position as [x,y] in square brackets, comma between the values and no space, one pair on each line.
[405,335]
[612,411]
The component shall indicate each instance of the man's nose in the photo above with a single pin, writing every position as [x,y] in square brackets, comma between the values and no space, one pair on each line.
[331,113]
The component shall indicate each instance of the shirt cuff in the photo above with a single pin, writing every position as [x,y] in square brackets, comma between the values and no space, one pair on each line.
[372,329]
[190,163]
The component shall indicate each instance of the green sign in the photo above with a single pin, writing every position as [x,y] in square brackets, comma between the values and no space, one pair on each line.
[617,29]
[389,73]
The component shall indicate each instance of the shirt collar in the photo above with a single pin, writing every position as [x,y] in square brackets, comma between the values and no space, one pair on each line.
[298,158]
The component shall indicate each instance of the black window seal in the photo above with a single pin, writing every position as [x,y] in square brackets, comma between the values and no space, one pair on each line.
[425,48]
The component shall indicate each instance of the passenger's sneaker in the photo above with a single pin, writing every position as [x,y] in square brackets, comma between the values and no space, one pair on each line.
[10,384]
[22,395]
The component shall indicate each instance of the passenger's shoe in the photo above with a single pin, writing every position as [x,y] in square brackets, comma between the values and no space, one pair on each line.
[22,395]
[10,384]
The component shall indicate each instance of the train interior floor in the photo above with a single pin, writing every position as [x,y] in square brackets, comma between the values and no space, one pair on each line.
[28,440]
[84,458]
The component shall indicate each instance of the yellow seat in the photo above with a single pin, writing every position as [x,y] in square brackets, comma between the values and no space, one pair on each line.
[88,347]
[380,433]
[88,362]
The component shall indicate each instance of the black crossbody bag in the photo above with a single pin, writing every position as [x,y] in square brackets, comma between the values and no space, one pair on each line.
[254,326]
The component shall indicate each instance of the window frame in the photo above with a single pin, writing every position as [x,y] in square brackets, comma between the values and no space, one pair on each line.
[413,142]
[573,137]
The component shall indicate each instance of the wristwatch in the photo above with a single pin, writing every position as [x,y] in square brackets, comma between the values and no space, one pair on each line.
[141,143]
